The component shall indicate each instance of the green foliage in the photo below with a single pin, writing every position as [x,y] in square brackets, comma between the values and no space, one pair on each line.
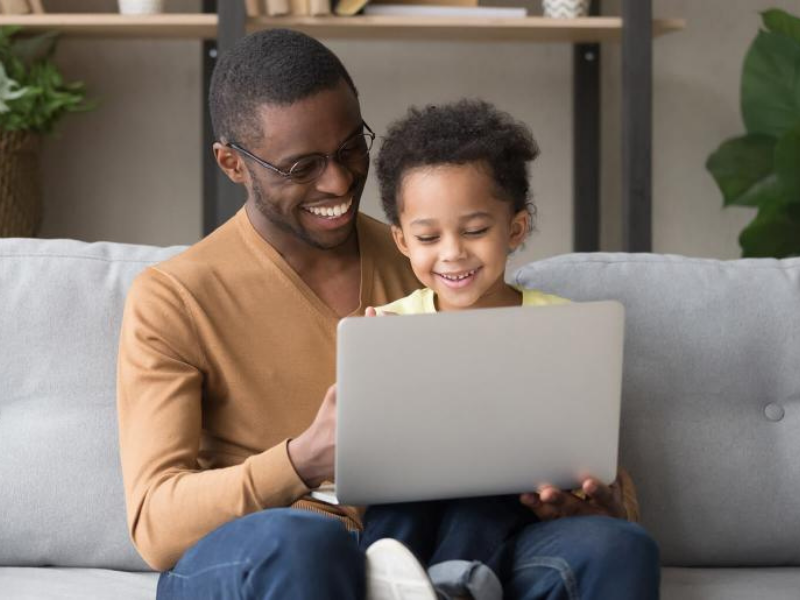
[33,94]
[762,168]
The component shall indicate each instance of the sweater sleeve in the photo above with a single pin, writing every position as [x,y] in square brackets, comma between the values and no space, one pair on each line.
[629,499]
[171,501]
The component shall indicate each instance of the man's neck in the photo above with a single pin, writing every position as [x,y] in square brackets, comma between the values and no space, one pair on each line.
[333,274]
[302,256]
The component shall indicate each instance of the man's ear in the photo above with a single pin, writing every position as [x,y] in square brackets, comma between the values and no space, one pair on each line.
[399,239]
[520,227]
[230,162]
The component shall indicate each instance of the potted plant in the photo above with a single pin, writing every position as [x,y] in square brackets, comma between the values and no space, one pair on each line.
[33,98]
[761,169]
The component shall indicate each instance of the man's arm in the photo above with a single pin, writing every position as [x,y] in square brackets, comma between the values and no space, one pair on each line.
[171,502]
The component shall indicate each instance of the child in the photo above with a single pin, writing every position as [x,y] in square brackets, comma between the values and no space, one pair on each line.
[454,186]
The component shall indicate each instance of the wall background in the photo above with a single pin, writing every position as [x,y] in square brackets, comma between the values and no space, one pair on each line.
[130,170]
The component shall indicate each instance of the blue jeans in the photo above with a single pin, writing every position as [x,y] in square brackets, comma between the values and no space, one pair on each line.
[273,554]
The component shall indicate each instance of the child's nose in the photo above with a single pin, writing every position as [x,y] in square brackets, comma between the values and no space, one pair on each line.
[453,248]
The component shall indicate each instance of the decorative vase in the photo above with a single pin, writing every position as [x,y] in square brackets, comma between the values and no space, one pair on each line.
[141,7]
[20,184]
[565,9]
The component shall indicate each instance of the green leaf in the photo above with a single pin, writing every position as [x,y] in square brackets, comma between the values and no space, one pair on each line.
[787,164]
[743,168]
[35,48]
[771,85]
[779,21]
[775,232]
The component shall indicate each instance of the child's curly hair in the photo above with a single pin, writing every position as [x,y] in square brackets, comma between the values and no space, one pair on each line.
[457,133]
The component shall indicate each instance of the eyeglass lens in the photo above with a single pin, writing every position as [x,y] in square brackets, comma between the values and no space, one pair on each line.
[350,152]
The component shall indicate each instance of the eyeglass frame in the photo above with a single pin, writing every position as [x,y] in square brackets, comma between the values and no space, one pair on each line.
[288,174]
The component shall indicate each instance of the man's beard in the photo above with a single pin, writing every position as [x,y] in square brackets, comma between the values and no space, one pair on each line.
[266,209]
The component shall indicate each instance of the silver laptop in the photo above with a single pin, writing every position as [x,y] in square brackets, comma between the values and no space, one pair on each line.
[482,402]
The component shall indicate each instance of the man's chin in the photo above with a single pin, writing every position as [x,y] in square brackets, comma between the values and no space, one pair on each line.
[333,239]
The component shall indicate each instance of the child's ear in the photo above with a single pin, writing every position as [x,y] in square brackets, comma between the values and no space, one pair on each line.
[399,239]
[520,227]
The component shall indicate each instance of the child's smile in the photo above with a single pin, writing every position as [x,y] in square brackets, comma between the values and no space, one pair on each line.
[458,234]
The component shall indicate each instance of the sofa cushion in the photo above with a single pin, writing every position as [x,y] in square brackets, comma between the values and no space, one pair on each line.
[61,496]
[711,397]
[32,583]
[730,584]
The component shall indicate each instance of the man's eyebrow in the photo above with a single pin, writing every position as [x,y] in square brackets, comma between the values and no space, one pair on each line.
[295,157]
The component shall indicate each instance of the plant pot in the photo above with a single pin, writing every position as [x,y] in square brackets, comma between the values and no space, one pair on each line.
[20,184]
[141,7]
[565,9]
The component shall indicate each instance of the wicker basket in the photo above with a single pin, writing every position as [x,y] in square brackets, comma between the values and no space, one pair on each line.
[565,9]
[20,184]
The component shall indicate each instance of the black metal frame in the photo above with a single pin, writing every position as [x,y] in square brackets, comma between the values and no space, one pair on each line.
[221,198]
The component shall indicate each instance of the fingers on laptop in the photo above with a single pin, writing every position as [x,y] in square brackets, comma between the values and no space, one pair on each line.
[595,499]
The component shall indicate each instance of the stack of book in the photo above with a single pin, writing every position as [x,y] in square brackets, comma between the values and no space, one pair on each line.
[427,8]
[294,8]
[347,8]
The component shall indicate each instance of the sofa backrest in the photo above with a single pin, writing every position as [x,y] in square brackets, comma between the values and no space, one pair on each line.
[711,397]
[61,494]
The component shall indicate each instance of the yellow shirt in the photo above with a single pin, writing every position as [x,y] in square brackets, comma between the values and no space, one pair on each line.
[225,353]
[424,301]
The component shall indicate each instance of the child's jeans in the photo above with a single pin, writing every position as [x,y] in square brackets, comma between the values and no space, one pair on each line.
[463,541]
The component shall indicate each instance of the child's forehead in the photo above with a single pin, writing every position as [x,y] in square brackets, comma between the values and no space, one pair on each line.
[449,194]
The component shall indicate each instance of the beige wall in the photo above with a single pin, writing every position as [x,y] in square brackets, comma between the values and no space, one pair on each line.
[130,170]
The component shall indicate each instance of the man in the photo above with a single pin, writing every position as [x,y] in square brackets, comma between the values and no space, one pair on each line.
[226,349]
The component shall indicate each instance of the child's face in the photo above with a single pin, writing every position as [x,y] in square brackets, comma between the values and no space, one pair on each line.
[458,234]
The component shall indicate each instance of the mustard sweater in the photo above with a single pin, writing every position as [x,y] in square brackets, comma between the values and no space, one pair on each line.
[225,354]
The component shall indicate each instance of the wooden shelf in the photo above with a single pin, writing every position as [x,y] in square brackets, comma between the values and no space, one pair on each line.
[204,26]
[112,25]
[531,29]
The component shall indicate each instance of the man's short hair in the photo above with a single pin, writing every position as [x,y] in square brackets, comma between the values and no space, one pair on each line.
[275,66]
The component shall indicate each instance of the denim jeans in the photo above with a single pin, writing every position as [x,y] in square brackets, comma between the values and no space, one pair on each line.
[290,554]
[586,557]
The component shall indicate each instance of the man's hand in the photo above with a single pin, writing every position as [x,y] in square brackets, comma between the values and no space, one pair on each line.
[312,452]
[552,503]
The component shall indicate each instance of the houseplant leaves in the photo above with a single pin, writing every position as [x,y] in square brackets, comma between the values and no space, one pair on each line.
[761,169]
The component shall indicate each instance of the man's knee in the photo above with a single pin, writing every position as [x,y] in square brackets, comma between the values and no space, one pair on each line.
[301,537]
[618,540]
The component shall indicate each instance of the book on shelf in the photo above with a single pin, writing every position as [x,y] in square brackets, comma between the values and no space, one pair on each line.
[428,2]
[420,10]
[319,8]
[269,8]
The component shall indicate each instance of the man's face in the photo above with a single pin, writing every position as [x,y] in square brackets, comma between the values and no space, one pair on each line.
[320,213]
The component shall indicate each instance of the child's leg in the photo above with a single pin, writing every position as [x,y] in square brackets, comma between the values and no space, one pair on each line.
[476,529]
[415,524]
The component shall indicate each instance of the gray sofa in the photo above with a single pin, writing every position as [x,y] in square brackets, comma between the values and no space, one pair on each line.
[711,416]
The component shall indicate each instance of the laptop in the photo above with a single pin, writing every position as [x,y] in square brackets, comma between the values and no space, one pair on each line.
[475,403]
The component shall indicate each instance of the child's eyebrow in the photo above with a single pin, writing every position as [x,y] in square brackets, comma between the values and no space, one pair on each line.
[469,217]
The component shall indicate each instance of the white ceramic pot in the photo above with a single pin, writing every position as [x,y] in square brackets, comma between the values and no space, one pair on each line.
[141,7]
[565,9]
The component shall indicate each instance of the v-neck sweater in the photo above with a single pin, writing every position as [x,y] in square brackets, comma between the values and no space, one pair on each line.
[225,354]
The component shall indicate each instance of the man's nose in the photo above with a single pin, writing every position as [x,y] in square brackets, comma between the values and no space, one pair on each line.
[336,179]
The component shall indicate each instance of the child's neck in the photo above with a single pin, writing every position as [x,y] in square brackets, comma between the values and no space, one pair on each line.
[501,296]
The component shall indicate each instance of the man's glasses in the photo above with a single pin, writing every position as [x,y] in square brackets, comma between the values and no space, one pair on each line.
[310,167]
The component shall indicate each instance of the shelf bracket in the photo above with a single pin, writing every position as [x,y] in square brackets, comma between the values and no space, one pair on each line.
[637,125]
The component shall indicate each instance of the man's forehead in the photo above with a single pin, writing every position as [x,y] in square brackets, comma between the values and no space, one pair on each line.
[311,124]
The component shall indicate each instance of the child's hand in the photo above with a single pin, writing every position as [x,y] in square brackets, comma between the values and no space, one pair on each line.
[371,312]
[599,499]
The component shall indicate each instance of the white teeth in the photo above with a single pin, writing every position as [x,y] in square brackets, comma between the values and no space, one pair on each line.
[458,277]
[329,212]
